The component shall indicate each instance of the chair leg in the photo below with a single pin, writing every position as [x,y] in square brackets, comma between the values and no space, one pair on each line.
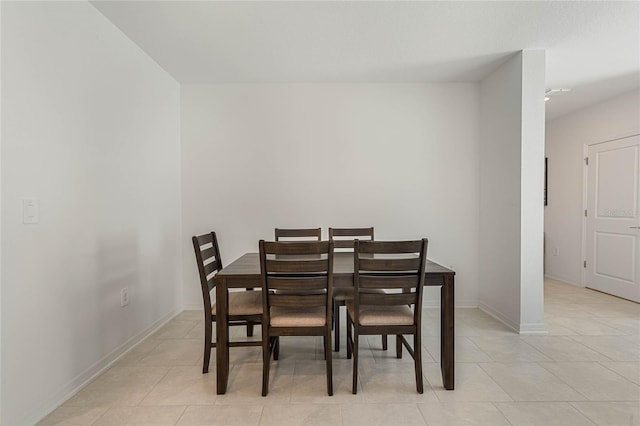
[207,346]
[327,356]
[354,388]
[417,354]
[266,359]
[249,329]
[398,347]
[276,348]
[385,343]
[349,337]
[336,321]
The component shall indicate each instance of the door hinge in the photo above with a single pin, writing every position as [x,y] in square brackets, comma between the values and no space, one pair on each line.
[585,212]
[586,161]
[585,263]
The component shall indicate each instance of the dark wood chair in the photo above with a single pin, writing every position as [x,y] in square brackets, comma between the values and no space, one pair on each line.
[343,238]
[299,234]
[398,268]
[245,307]
[297,283]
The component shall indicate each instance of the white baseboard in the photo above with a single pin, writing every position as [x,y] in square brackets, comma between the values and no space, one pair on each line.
[564,280]
[533,328]
[499,316]
[84,378]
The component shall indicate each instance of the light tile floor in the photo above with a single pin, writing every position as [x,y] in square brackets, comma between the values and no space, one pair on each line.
[585,371]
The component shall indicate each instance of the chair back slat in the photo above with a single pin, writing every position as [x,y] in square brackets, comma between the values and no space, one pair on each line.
[307,233]
[209,262]
[296,274]
[391,265]
[298,300]
[294,283]
[388,299]
[292,266]
[390,247]
[298,248]
[388,281]
[344,237]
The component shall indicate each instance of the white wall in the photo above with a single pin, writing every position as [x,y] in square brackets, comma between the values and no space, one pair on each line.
[91,129]
[566,137]
[511,171]
[400,157]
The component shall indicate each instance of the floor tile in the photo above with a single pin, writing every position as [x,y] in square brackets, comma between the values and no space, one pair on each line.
[530,382]
[508,349]
[72,416]
[465,350]
[184,386]
[471,384]
[221,415]
[381,414]
[141,416]
[594,381]
[172,353]
[617,348]
[628,370]
[245,384]
[611,413]
[542,414]
[301,414]
[560,348]
[462,414]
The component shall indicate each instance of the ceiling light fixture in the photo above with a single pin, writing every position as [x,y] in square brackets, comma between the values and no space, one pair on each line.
[554,92]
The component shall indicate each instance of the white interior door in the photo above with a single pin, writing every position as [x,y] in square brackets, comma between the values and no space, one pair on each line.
[613,219]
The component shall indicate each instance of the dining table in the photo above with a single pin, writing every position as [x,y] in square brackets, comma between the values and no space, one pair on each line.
[244,272]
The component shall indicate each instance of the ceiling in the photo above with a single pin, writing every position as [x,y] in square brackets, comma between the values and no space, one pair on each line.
[592,47]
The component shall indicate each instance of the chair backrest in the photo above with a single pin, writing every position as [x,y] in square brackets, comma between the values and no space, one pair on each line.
[311,234]
[209,262]
[344,237]
[396,266]
[301,270]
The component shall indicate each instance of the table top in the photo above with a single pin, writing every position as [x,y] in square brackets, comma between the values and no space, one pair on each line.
[248,266]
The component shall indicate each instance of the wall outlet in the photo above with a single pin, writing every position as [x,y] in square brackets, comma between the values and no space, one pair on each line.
[124,297]
[556,251]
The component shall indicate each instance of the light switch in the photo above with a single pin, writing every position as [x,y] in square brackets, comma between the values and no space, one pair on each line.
[30,210]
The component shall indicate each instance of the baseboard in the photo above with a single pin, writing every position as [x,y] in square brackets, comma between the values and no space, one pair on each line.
[533,328]
[499,316]
[84,378]
[564,280]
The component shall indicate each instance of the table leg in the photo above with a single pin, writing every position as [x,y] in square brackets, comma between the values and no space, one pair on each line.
[222,337]
[447,330]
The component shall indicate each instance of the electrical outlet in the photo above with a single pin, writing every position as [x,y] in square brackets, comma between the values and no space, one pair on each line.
[124,297]
[556,251]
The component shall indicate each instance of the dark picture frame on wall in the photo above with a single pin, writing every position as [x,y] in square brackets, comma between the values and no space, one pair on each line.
[546,174]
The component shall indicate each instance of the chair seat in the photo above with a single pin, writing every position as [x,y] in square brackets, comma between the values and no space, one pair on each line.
[382,315]
[298,317]
[243,303]
[344,294]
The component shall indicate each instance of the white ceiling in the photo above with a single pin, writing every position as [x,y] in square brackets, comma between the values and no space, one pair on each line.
[592,47]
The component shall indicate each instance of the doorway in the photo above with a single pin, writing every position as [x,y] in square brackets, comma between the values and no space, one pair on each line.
[612,217]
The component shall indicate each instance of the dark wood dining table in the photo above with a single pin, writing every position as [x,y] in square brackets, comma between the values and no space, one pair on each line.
[245,273]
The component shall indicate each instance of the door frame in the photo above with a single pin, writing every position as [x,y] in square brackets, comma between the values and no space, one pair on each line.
[585,171]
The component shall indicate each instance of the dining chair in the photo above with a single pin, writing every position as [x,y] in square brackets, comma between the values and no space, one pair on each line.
[297,282]
[244,308]
[314,234]
[344,238]
[398,267]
